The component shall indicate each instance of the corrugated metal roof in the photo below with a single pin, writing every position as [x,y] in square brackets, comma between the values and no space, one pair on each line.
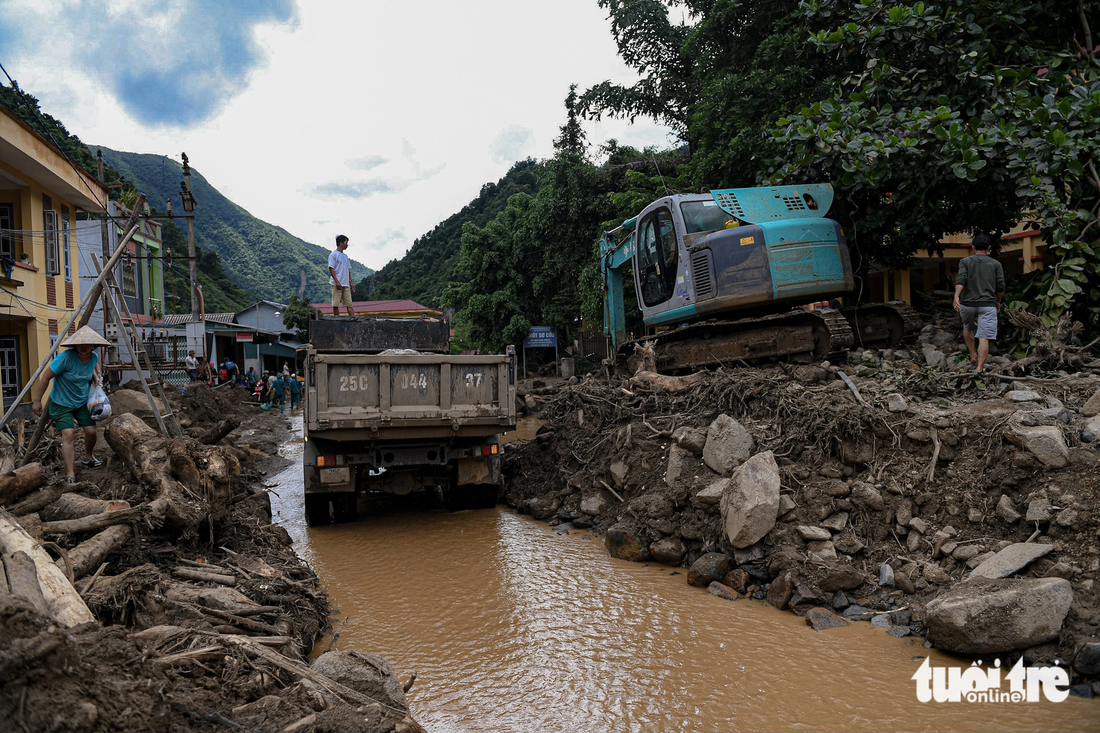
[177,319]
[375,306]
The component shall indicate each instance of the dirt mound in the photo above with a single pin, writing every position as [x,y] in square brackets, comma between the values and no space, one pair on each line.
[912,474]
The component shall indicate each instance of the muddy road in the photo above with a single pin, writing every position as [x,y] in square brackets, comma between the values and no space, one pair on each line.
[513,625]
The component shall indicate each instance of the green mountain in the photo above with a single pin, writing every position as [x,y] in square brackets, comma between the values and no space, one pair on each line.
[266,260]
[429,266]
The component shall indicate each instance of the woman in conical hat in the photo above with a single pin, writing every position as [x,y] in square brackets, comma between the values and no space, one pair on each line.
[72,372]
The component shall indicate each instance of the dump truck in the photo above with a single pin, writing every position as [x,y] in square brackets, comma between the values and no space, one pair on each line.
[389,409]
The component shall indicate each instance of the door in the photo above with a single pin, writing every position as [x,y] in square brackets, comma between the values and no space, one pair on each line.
[10,372]
[7,226]
[657,257]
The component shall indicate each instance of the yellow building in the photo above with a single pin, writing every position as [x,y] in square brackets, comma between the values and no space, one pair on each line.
[1021,251]
[40,195]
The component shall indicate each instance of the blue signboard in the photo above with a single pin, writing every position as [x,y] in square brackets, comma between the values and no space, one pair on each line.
[540,337]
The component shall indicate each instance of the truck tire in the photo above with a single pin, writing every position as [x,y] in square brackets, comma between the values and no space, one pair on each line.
[484,496]
[317,510]
[344,507]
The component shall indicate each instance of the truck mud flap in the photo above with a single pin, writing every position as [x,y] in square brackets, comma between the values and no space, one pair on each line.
[479,470]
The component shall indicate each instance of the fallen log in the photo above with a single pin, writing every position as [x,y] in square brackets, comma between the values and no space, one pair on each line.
[222,597]
[665,383]
[22,480]
[33,524]
[90,554]
[219,431]
[76,506]
[98,522]
[41,499]
[192,574]
[240,621]
[65,605]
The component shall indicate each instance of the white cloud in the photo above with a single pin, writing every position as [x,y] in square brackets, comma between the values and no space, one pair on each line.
[345,126]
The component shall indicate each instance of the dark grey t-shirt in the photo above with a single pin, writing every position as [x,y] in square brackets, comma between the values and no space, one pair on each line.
[982,277]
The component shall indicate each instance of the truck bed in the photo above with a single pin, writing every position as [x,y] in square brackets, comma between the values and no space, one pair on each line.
[409,396]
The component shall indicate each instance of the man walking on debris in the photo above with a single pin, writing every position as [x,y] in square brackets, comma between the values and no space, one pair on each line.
[979,289]
[73,372]
[339,269]
[191,364]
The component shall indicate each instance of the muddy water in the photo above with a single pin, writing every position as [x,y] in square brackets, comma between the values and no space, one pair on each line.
[512,627]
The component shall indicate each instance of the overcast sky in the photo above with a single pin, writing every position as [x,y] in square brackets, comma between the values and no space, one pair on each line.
[373,119]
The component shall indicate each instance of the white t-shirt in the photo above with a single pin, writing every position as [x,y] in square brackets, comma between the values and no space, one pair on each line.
[191,362]
[341,265]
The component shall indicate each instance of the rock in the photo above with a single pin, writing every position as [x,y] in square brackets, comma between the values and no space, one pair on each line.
[530,406]
[855,454]
[886,576]
[1024,395]
[728,445]
[667,551]
[713,493]
[738,580]
[786,504]
[717,589]
[836,522]
[848,543]
[1006,511]
[933,357]
[979,559]
[904,583]
[821,552]
[962,553]
[750,503]
[1038,510]
[367,674]
[840,601]
[896,403]
[780,591]
[867,496]
[813,533]
[1066,518]
[985,616]
[1045,442]
[899,630]
[1060,570]
[904,512]
[594,504]
[654,506]
[745,555]
[544,507]
[840,577]
[920,525]
[819,619]
[1010,560]
[619,471]
[913,541]
[933,573]
[690,439]
[708,568]
[676,456]
[1091,408]
[623,544]
[857,612]
[974,515]
[1087,661]
[881,620]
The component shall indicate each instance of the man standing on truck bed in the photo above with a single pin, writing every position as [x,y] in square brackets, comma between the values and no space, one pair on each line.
[979,288]
[339,268]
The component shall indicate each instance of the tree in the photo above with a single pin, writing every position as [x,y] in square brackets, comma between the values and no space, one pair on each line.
[297,313]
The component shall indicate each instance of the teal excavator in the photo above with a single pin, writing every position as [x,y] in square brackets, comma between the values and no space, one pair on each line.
[720,278]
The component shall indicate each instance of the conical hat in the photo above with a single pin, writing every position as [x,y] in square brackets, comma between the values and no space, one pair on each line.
[85,335]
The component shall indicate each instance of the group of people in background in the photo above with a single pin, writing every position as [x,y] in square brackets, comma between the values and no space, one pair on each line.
[273,389]
[279,388]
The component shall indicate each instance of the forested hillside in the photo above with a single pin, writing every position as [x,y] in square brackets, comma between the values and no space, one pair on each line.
[265,259]
[429,266]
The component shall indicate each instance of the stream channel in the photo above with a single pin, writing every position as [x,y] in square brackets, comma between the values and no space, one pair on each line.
[511,626]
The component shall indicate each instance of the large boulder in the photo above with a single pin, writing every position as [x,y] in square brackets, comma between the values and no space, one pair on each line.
[368,674]
[668,551]
[728,445]
[983,616]
[624,544]
[750,503]
[1045,442]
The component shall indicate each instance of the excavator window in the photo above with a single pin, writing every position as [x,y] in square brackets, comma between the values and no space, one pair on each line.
[657,257]
[704,216]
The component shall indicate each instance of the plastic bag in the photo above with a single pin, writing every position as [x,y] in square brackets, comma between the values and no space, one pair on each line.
[98,404]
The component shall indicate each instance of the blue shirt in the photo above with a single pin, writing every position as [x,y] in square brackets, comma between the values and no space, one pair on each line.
[295,386]
[72,378]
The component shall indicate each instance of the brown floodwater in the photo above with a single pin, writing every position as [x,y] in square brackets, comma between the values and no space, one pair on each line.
[513,627]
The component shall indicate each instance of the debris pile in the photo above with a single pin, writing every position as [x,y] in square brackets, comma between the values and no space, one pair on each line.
[156,594]
[898,489]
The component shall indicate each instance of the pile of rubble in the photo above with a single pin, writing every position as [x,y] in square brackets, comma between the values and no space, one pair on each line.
[896,489]
[156,594]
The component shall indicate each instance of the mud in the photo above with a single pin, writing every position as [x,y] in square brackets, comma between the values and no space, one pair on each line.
[168,653]
[601,461]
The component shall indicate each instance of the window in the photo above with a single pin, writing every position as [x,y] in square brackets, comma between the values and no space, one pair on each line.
[7,233]
[66,243]
[49,224]
[657,257]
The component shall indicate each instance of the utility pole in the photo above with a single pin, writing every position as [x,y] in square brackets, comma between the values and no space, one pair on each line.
[103,232]
[189,207]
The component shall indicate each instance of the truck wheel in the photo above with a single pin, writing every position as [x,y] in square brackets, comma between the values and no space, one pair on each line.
[317,513]
[344,507]
[484,496]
